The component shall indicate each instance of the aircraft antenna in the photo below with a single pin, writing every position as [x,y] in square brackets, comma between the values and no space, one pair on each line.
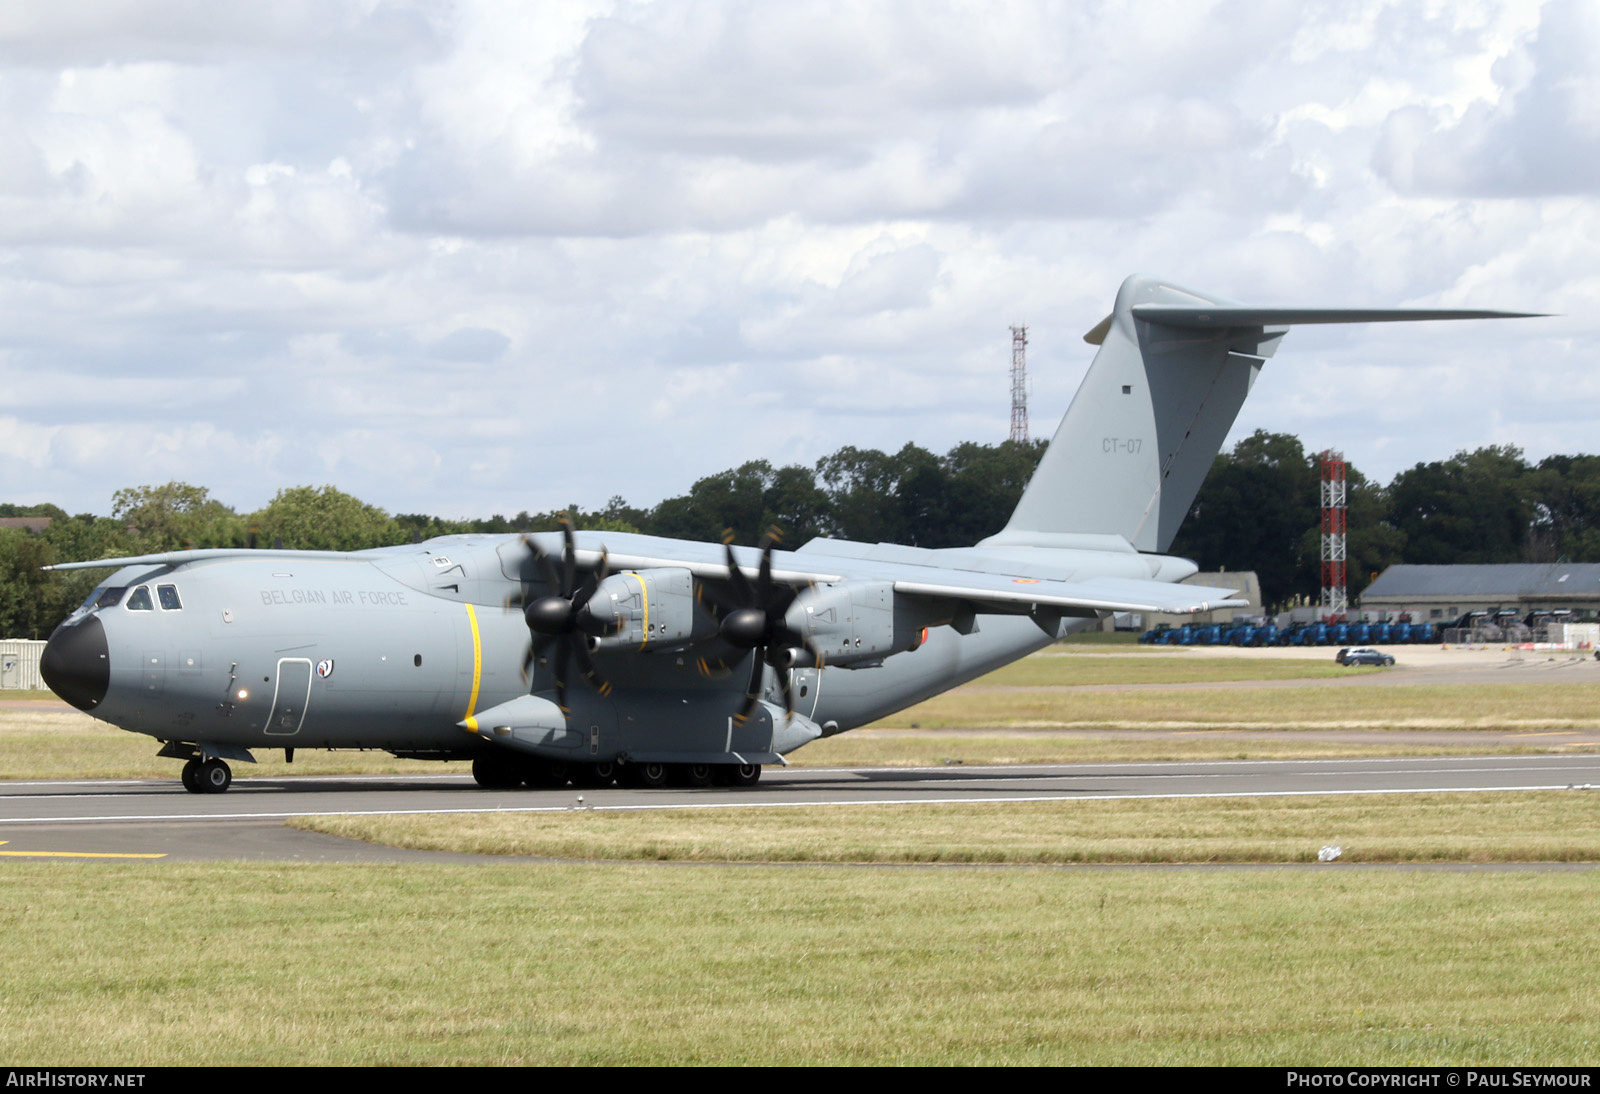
[1019,384]
[1335,511]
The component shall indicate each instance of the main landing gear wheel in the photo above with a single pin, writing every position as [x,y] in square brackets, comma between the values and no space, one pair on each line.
[191,777]
[496,772]
[738,774]
[694,774]
[647,776]
[213,776]
[540,773]
[595,775]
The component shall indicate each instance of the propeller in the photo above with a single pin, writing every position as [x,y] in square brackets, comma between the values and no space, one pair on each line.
[756,622]
[559,619]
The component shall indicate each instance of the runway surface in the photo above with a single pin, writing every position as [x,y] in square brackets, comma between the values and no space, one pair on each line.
[83,820]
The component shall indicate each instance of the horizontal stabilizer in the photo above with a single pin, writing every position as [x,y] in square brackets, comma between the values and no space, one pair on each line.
[1212,316]
[1174,367]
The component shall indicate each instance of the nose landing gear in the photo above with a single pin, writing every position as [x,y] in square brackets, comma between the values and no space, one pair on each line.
[211,776]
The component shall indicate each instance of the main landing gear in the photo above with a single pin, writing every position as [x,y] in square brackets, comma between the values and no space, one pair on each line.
[211,776]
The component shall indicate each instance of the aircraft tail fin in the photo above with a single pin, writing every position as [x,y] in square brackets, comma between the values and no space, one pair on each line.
[1173,369]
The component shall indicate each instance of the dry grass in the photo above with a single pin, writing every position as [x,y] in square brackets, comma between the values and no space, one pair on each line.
[1557,826]
[1489,706]
[896,748]
[1078,669]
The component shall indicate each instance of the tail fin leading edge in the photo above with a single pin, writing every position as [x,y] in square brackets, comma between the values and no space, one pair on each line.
[1173,369]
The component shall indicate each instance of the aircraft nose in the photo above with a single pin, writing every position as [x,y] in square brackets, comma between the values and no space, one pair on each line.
[75,663]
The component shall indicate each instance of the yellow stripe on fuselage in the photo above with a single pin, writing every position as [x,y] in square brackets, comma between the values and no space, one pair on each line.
[477,669]
[644,598]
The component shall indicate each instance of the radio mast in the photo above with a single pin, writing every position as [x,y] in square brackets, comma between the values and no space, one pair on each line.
[1019,384]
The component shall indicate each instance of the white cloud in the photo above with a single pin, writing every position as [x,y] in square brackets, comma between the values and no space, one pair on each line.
[489,256]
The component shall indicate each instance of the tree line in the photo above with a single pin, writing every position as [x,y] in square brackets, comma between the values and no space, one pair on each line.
[911,496]
[1258,510]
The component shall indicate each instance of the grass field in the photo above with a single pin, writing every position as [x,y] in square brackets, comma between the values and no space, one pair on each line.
[1552,826]
[1492,705]
[640,964]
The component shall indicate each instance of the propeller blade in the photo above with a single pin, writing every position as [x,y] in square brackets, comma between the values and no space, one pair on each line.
[741,584]
[602,572]
[569,556]
[551,578]
[559,670]
[587,669]
[764,575]
[752,691]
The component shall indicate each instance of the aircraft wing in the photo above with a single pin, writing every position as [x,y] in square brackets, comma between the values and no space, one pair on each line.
[996,592]
[1105,594]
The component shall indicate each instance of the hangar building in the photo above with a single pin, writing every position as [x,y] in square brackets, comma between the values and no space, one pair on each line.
[1434,594]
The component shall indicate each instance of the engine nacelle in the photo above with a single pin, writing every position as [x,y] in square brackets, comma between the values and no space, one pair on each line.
[850,622]
[644,610]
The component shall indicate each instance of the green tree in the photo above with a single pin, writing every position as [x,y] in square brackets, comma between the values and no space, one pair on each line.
[863,484]
[1474,507]
[1254,512]
[984,484]
[1566,495]
[311,518]
[733,499]
[26,609]
[174,517]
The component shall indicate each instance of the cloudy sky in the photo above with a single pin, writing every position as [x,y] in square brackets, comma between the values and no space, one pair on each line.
[474,257]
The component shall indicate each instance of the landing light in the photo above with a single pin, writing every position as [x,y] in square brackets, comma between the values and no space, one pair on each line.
[244,693]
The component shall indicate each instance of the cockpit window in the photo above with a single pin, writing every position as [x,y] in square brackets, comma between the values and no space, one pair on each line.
[140,600]
[169,598]
[111,597]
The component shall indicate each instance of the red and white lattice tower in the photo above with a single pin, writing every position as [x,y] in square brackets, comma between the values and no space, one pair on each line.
[1335,514]
[1019,384]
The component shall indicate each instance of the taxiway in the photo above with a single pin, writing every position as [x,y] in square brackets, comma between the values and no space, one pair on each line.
[94,819]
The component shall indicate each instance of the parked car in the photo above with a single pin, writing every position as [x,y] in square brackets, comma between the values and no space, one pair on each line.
[1363,655]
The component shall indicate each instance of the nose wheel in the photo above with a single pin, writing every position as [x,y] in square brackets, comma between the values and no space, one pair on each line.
[211,776]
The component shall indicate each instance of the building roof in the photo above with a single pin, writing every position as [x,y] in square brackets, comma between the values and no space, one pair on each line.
[1508,581]
[32,524]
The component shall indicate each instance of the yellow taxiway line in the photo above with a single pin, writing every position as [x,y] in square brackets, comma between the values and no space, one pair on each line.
[75,854]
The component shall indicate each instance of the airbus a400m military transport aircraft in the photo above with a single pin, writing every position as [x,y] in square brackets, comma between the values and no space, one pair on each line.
[596,656]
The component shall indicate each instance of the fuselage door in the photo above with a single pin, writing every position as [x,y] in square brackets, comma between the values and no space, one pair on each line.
[290,699]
